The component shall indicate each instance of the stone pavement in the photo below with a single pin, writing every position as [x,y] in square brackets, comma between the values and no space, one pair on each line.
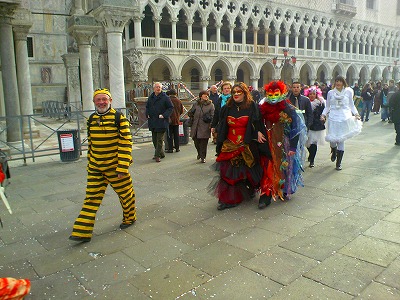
[338,238]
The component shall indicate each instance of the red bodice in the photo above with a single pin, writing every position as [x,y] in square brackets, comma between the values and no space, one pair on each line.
[237,128]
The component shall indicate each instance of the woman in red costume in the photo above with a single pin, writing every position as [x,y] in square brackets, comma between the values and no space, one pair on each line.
[286,135]
[241,138]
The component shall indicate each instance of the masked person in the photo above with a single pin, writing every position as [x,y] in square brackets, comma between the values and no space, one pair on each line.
[286,135]
[109,157]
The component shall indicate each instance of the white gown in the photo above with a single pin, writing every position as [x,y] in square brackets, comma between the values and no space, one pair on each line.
[340,109]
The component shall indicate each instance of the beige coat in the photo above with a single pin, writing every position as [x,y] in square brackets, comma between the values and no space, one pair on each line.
[200,129]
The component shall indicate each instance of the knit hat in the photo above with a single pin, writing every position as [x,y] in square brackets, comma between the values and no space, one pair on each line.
[102,91]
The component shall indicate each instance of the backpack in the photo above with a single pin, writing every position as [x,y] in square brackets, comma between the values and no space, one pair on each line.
[117,119]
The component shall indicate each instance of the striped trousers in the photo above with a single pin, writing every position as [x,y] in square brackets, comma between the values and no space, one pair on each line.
[97,183]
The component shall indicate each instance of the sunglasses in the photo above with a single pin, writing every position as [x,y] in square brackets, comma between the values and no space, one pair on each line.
[238,92]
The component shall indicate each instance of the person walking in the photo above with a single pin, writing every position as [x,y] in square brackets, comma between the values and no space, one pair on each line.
[286,136]
[109,157]
[302,103]
[343,119]
[202,112]
[214,97]
[240,133]
[223,98]
[174,119]
[394,106]
[367,95]
[316,134]
[158,110]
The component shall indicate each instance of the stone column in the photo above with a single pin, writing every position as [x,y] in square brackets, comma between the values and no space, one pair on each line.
[173,28]
[21,25]
[77,9]
[296,43]
[314,43]
[244,28]
[276,41]
[231,38]
[96,67]
[205,80]
[218,26]
[71,62]
[137,20]
[114,19]
[189,24]
[231,78]
[9,74]
[83,29]
[157,20]
[287,33]
[305,40]
[204,25]
[255,39]
[266,35]
[254,82]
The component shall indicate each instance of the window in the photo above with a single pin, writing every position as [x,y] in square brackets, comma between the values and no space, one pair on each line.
[30,46]
[195,79]
[371,4]
[218,75]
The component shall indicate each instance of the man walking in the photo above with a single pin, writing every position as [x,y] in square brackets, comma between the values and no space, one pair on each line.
[302,103]
[158,109]
[109,157]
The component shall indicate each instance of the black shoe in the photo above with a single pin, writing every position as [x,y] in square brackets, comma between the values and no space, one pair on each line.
[124,225]
[338,168]
[366,120]
[169,151]
[177,150]
[222,206]
[264,201]
[312,165]
[80,239]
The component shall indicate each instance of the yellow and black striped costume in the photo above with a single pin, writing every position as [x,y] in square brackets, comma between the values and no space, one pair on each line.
[109,153]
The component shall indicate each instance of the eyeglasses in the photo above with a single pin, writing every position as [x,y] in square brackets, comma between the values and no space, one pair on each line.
[238,92]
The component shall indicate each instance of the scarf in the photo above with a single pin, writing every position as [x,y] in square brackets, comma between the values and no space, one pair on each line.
[224,98]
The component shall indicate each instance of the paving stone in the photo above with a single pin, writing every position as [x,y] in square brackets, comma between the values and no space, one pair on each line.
[121,290]
[385,200]
[280,265]
[372,250]
[386,231]
[394,216]
[157,251]
[189,215]
[379,291]
[15,251]
[390,276]
[105,271]
[60,259]
[148,229]
[20,268]
[255,240]
[344,273]
[224,257]
[361,217]
[169,280]
[199,235]
[304,288]
[285,224]
[62,285]
[238,283]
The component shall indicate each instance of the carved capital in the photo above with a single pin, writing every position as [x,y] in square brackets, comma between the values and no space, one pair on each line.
[7,11]
[114,19]
[21,32]
[205,78]
[135,58]
[157,19]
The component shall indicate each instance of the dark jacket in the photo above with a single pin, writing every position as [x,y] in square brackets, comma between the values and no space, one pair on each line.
[177,111]
[394,105]
[305,106]
[155,106]
[216,118]
[317,125]
[367,95]
[214,97]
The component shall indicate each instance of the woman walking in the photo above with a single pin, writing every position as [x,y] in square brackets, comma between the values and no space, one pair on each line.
[202,113]
[316,134]
[343,121]
[239,141]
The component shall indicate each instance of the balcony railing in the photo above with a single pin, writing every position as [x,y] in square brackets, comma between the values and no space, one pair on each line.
[211,46]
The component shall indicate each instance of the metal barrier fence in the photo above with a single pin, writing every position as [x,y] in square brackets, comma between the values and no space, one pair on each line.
[38,132]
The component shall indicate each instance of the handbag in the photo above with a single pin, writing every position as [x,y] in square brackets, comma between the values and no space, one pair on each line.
[191,116]
[206,116]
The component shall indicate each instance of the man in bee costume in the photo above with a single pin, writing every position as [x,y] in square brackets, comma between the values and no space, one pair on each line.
[109,157]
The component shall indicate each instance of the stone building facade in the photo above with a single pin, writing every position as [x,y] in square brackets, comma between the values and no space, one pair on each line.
[62,50]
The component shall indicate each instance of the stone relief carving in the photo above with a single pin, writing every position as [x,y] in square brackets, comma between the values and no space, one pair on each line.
[135,58]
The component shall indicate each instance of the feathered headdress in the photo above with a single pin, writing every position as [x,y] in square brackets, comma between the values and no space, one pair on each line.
[313,89]
[275,91]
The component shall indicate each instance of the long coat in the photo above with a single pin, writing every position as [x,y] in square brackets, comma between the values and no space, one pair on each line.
[200,129]
[395,107]
[155,106]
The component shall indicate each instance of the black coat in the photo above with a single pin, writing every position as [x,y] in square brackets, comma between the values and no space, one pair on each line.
[317,124]
[155,106]
[305,106]
[394,105]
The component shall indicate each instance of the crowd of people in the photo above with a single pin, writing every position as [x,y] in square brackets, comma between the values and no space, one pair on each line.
[261,139]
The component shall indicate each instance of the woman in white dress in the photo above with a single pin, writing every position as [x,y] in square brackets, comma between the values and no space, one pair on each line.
[343,119]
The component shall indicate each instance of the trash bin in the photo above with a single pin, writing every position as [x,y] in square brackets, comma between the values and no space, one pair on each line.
[183,132]
[69,144]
